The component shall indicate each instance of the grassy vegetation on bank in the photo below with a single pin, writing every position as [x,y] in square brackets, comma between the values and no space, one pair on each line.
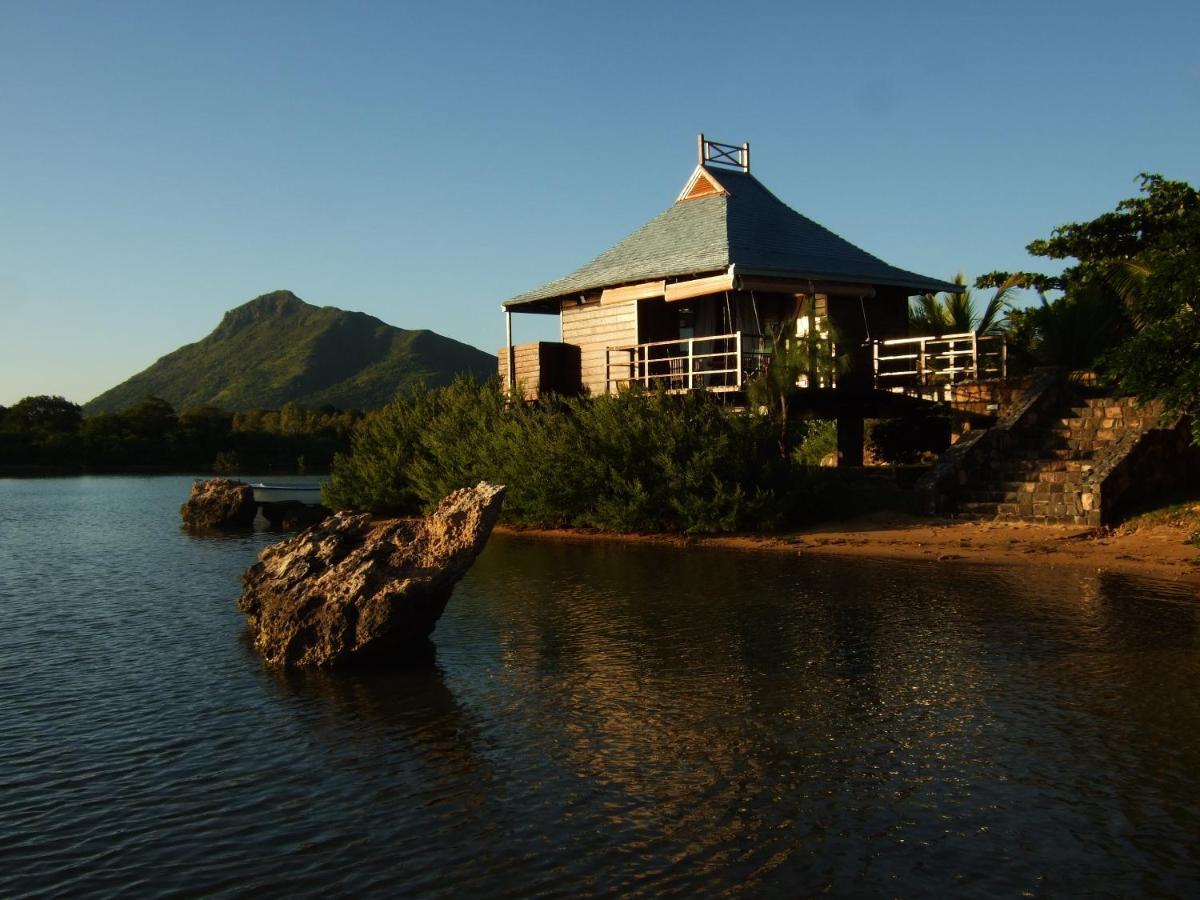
[1180,509]
[637,461]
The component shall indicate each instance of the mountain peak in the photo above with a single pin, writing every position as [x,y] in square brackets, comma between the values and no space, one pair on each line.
[276,304]
[277,349]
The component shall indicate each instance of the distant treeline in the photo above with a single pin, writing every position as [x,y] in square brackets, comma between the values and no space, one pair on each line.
[51,435]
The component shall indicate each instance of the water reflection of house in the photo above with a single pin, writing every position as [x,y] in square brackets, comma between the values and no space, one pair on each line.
[686,302]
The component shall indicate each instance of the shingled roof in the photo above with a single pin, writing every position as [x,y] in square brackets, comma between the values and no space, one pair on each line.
[744,225]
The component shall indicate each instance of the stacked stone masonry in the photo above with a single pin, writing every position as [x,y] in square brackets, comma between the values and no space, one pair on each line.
[1057,473]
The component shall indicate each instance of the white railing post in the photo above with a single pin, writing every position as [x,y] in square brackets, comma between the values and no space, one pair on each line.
[691,363]
[737,359]
[921,362]
[875,363]
[975,355]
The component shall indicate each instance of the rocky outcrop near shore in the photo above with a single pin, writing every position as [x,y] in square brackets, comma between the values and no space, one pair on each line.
[351,589]
[219,503]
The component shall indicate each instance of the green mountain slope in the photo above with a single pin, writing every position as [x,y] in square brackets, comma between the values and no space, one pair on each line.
[277,348]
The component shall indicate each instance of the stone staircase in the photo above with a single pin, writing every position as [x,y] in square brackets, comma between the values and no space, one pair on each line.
[1058,453]
[1047,475]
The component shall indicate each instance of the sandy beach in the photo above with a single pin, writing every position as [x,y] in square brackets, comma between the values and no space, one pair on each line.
[1155,551]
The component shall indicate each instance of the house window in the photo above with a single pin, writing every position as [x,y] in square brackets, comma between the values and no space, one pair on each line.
[687,322]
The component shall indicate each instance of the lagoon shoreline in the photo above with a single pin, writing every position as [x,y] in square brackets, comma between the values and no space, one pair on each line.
[1153,551]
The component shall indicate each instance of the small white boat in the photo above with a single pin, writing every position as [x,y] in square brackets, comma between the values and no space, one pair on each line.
[309,494]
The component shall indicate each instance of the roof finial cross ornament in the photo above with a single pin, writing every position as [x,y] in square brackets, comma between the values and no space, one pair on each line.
[731,155]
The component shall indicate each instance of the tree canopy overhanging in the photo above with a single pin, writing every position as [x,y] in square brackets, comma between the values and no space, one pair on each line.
[1135,287]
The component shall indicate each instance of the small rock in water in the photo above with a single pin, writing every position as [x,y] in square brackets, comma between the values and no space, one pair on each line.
[349,589]
[219,503]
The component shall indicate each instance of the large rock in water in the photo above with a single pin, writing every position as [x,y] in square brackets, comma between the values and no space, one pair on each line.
[219,503]
[349,589]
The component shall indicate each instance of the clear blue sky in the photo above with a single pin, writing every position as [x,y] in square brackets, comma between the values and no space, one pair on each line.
[164,162]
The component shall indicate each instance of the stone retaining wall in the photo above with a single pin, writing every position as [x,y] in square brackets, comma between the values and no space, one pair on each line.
[1034,404]
[1140,466]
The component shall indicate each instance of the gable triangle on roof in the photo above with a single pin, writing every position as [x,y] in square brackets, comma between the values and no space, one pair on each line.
[703,183]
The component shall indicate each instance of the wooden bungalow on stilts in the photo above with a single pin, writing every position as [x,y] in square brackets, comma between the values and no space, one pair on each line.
[687,302]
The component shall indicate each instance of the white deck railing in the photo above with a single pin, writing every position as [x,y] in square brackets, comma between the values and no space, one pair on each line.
[928,362]
[723,362]
[727,362]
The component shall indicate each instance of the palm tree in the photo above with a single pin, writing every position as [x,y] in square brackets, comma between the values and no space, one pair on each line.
[954,313]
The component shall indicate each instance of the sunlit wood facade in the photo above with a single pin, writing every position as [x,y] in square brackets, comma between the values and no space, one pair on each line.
[690,300]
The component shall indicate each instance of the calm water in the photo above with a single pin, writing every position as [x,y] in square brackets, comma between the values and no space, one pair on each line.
[598,719]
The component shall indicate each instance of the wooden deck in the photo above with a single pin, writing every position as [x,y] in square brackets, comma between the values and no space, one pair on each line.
[721,363]
[928,368]
[930,365]
[924,367]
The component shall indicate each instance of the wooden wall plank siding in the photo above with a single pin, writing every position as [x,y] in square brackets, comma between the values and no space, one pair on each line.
[594,328]
[542,367]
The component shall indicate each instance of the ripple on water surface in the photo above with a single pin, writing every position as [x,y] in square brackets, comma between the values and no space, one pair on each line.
[597,718]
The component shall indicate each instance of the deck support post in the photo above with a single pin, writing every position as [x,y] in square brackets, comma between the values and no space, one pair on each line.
[512,356]
[850,436]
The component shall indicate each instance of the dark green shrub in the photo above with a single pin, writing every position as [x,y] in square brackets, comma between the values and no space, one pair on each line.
[457,444]
[375,474]
[637,461]
[679,463]
[820,439]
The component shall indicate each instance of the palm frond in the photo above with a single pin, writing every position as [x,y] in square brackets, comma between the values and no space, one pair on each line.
[948,313]
[1125,277]
[960,312]
[991,321]
[926,316]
